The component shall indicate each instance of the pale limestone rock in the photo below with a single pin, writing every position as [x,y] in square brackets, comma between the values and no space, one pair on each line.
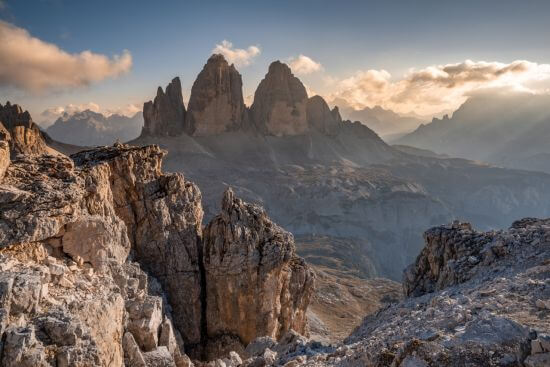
[280,103]
[25,136]
[132,352]
[145,319]
[96,239]
[4,157]
[256,285]
[216,104]
[159,357]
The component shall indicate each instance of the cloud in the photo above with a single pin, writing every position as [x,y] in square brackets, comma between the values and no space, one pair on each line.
[48,116]
[439,87]
[31,64]
[237,56]
[303,65]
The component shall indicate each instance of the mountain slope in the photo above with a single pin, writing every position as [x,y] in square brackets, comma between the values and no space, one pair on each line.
[507,130]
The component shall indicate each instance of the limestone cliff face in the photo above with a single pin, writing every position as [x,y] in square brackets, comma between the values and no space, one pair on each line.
[5,137]
[162,214]
[321,117]
[104,254]
[280,103]
[25,136]
[216,104]
[165,116]
[256,284]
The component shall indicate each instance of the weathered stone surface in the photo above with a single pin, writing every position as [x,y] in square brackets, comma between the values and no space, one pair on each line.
[255,283]
[470,312]
[321,117]
[280,103]
[4,151]
[68,230]
[165,116]
[25,135]
[132,352]
[216,104]
[163,215]
[145,319]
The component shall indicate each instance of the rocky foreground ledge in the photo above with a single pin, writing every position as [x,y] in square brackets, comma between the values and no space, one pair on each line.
[104,262]
[474,299]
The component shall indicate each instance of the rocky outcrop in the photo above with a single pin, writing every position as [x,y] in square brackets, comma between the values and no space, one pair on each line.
[123,242]
[280,103]
[162,214]
[68,290]
[5,137]
[25,136]
[321,117]
[256,285]
[482,301]
[165,116]
[216,104]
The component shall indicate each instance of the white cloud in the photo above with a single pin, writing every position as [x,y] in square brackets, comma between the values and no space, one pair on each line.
[33,65]
[237,56]
[439,87]
[304,65]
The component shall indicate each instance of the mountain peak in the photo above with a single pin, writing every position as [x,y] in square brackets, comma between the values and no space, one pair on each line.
[166,114]
[280,102]
[216,104]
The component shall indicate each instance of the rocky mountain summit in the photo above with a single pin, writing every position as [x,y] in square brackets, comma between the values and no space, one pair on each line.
[166,114]
[280,102]
[104,262]
[281,106]
[216,104]
[19,131]
[474,299]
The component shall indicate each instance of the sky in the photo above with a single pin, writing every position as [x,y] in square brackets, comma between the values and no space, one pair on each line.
[410,56]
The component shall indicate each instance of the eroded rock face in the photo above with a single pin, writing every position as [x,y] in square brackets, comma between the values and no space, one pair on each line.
[256,285]
[70,233]
[216,104]
[25,136]
[321,117]
[280,103]
[4,150]
[162,214]
[475,299]
[165,116]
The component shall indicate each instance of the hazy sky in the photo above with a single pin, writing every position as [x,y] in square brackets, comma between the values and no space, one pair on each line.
[405,55]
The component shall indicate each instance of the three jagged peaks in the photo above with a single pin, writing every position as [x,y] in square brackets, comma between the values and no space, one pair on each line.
[281,105]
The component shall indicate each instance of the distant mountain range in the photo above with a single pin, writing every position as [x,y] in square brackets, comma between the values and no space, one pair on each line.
[386,123]
[87,128]
[507,130]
